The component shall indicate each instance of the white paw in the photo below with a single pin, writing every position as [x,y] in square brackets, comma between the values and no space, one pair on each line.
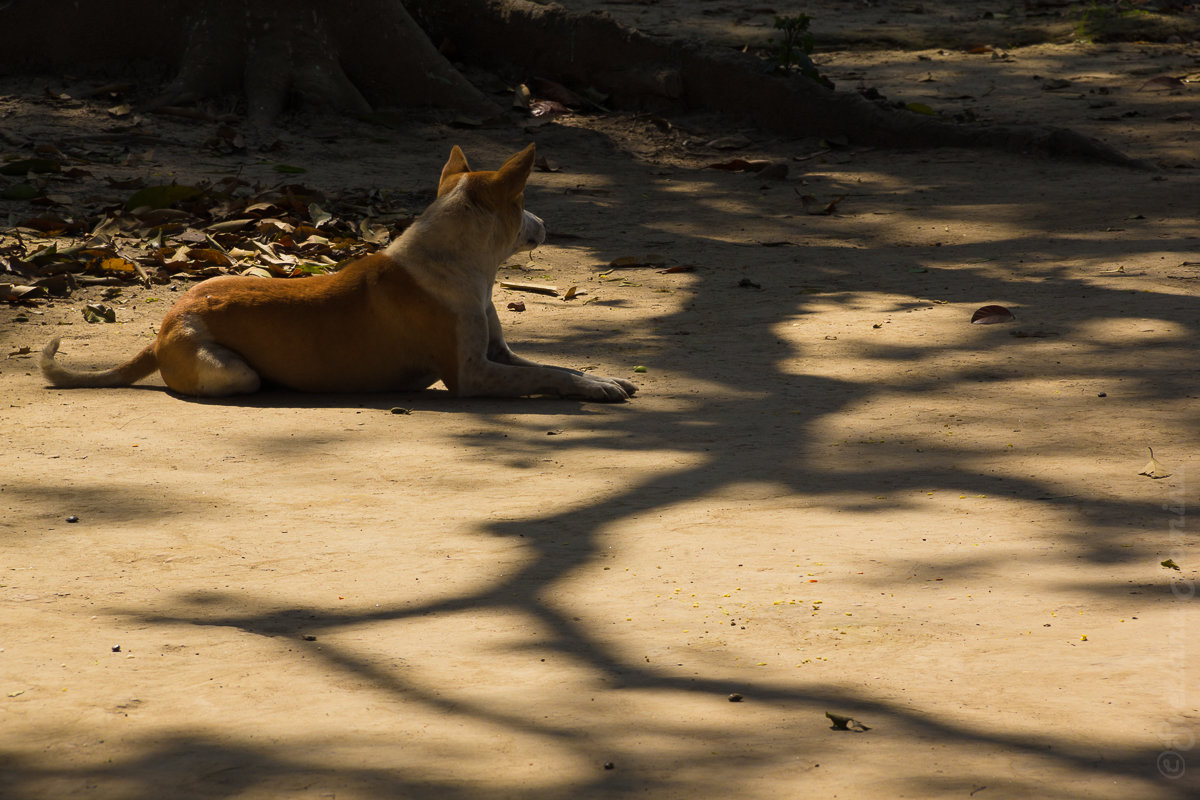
[629,387]
[607,390]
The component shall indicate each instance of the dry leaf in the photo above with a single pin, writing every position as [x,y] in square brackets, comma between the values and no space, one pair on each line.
[95,312]
[154,197]
[49,225]
[557,92]
[228,225]
[210,255]
[1154,468]
[741,165]
[841,723]
[547,108]
[517,306]
[255,208]
[1165,82]
[25,166]
[181,254]
[117,265]
[19,191]
[522,97]
[733,142]
[268,226]
[991,315]
[318,215]
[23,292]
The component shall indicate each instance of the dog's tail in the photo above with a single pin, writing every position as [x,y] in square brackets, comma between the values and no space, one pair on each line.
[138,367]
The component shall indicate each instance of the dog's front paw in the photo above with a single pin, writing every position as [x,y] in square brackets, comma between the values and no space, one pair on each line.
[629,387]
[606,390]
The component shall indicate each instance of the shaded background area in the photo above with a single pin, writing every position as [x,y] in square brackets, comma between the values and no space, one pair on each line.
[832,494]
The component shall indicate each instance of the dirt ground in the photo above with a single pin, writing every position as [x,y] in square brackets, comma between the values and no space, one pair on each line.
[832,493]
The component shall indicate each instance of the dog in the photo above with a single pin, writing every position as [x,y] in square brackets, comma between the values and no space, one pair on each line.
[401,319]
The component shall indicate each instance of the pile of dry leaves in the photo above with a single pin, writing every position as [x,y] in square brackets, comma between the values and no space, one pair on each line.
[165,232]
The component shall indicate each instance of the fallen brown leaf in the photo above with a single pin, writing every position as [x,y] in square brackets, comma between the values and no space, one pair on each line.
[740,165]
[1154,468]
[991,315]
[547,108]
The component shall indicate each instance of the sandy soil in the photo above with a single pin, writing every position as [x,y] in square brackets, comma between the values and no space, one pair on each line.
[832,493]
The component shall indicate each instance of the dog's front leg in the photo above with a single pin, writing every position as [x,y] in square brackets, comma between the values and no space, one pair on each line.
[500,352]
[498,349]
[487,367]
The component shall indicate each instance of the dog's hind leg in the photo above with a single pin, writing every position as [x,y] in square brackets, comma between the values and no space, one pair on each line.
[222,372]
[207,370]
[193,364]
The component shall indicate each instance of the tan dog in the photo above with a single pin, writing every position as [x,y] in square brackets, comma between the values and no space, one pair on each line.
[398,320]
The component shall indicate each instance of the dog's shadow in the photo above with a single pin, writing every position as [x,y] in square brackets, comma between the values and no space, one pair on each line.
[399,403]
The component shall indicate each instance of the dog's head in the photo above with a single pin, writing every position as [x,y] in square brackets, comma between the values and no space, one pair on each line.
[500,194]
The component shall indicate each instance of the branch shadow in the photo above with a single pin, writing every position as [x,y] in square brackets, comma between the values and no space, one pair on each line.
[752,426]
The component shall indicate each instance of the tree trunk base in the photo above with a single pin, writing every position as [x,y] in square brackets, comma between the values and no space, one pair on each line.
[352,57]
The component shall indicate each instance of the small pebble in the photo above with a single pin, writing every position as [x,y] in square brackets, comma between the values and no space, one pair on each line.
[609,765]
[310,638]
[72,518]
[735,698]
[116,648]
[1102,394]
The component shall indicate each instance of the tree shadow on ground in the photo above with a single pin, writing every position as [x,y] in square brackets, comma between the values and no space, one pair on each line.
[751,422]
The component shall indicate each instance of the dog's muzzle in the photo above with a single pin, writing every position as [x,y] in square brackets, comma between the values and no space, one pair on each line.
[533,232]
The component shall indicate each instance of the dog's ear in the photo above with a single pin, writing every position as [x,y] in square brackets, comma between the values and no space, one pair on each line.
[456,165]
[515,172]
